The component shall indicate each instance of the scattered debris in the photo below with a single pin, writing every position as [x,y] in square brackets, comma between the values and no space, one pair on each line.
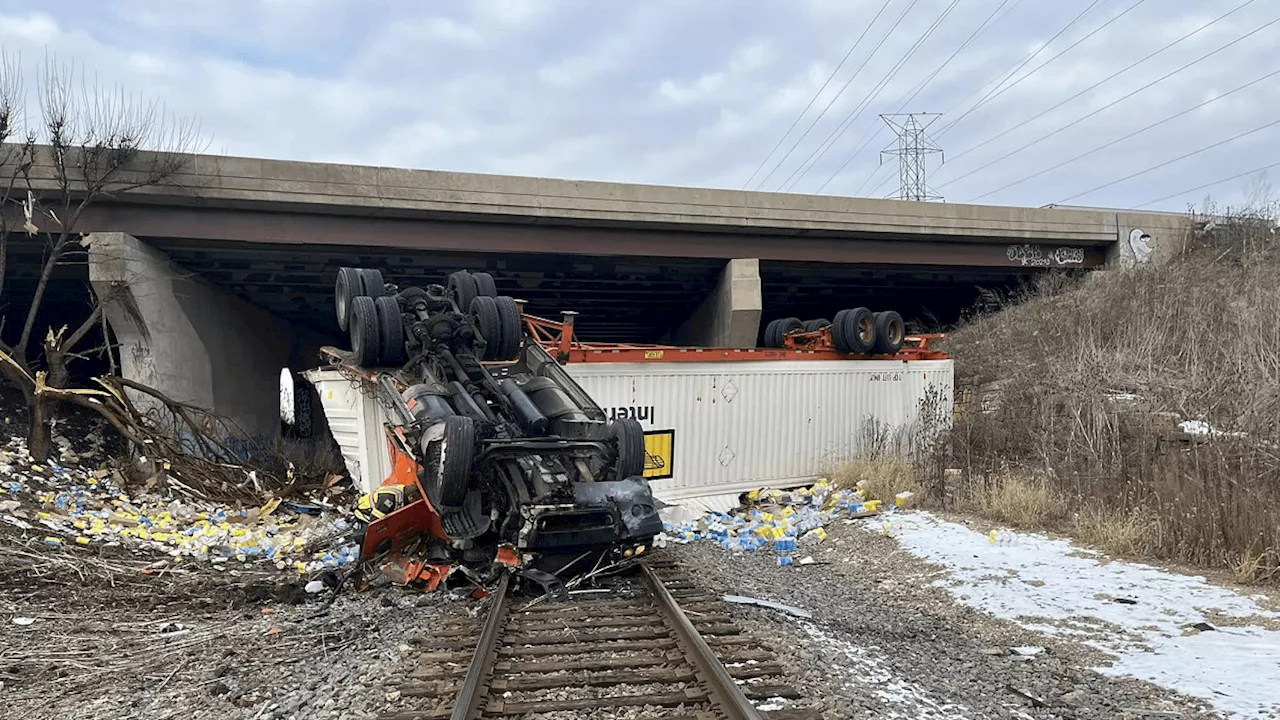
[75,505]
[1035,701]
[776,520]
[1027,650]
[743,600]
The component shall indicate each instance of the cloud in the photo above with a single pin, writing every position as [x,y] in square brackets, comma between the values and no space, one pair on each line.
[682,93]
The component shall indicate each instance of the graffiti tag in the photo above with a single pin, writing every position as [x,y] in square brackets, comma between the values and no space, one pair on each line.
[1068,255]
[1035,256]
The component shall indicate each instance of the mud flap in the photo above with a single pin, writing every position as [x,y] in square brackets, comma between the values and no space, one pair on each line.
[551,585]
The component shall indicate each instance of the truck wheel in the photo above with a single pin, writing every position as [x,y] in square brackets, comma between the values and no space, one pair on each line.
[462,286]
[510,327]
[456,459]
[781,328]
[768,333]
[630,438]
[854,331]
[890,332]
[372,282]
[815,325]
[390,331]
[347,286]
[485,285]
[363,326]
[484,313]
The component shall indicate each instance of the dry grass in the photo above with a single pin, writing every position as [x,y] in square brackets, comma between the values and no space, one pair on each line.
[1135,533]
[880,478]
[1082,384]
[1015,499]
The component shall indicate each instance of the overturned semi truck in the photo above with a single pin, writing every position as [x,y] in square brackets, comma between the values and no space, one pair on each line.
[499,459]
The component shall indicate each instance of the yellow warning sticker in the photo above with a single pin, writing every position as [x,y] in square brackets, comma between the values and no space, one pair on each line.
[653,354]
[659,452]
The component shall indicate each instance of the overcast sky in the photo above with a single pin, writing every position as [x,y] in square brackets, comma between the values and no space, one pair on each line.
[698,92]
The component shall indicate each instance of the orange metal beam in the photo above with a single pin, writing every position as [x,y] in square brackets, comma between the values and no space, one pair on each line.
[557,339]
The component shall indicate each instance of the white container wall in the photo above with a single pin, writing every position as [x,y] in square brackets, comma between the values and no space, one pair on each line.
[712,429]
[736,426]
[356,422]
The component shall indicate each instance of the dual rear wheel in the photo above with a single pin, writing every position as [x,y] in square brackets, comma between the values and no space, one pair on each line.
[857,331]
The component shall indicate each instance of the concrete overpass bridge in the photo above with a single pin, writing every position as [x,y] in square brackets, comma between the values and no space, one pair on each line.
[247,244]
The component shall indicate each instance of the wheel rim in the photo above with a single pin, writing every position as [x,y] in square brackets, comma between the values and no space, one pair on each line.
[866,330]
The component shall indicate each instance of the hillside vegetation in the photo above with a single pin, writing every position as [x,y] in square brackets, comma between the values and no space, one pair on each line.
[1138,408]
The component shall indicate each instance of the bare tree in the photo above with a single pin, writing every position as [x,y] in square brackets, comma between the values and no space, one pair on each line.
[83,145]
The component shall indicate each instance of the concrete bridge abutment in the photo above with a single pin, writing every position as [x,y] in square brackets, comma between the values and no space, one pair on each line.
[189,339]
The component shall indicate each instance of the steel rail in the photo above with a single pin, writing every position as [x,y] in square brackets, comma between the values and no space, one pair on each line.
[724,691]
[471,694]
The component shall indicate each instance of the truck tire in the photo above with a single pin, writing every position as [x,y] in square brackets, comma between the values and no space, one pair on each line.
[372,282]
[768,333]
[854,331]
[510,327]
[390,331]
[781,328]
[363,328]
[890,332]
[815,325]
[462,286]
[347,286]
[485,285]
[456,458]
[630,438]
[484,313]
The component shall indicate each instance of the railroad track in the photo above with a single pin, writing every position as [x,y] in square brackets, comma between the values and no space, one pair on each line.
[646,644]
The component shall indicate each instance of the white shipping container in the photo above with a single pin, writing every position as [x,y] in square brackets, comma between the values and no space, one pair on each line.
[713,429]
[730,427]
[356,421]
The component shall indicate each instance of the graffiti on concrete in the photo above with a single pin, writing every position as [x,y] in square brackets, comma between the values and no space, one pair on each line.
[1140,244]
[1068,256]
[1030,255]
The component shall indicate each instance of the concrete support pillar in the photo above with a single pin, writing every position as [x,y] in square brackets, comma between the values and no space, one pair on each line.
[191,340]
[730,316]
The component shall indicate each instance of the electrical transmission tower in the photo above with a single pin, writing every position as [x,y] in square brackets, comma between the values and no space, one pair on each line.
[913,147]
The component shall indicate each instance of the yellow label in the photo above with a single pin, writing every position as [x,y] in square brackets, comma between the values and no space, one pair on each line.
[653,354]
[659,453]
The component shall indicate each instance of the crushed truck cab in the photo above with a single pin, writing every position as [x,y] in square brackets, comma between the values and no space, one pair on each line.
[499,458]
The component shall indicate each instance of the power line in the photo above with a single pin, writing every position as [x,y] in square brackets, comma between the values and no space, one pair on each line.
[868,137]
[1208,185]
[844,87]
[1220,143]
[1111,104]
[1102,81]
[1011,73]
[884,182]
[817,95]
[1040,67]
[798,174]
[1126,137]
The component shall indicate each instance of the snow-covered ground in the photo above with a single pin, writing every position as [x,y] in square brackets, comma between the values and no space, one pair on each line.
[1143,616]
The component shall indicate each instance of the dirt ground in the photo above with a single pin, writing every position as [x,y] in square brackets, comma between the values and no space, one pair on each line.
[89,635]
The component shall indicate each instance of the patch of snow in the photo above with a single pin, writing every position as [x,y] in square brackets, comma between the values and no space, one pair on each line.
[1057,587]
[865,667]
[1195,427]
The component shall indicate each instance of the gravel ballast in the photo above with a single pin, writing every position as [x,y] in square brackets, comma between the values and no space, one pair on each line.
[882,643]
